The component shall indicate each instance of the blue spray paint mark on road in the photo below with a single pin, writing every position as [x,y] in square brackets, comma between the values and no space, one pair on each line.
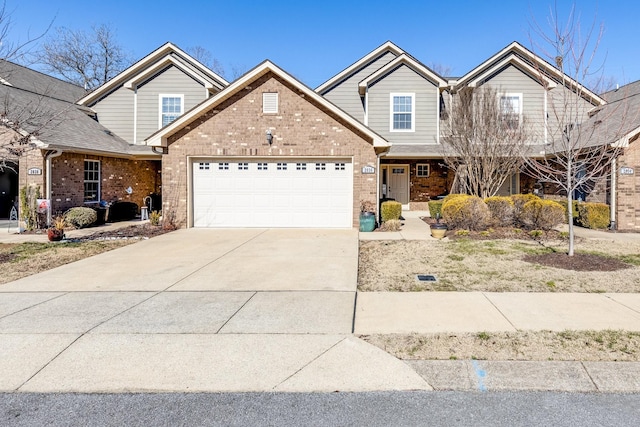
[480,373]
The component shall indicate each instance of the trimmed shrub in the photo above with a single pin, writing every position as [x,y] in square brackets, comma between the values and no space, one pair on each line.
[80,217]
[564,204]
[593,215]
[391,225]
[541,214]
[449,197]
[469,212]
[435,208]
[501,210]
[122,211]
[390,210]
[519,201]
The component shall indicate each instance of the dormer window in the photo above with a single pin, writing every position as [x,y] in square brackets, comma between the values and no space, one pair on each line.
[402,112]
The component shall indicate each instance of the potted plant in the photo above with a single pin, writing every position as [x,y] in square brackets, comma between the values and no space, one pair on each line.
[367,216]
[55,232]
[438,230]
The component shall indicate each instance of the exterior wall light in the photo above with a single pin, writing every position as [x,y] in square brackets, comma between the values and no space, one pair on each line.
[269,137]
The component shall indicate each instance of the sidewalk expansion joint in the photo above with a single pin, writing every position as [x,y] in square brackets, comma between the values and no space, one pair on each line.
[236,312]
[35,305]
[589,375]
[484,294]
[307,364]
[622,304]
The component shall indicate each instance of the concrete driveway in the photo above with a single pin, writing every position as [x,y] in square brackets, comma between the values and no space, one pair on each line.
[197,310]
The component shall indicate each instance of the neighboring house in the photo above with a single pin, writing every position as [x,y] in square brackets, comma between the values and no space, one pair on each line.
[267,151]
[617,123]
[408,103]
[94,148]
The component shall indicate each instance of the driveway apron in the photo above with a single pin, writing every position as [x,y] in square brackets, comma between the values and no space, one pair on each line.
[196,309]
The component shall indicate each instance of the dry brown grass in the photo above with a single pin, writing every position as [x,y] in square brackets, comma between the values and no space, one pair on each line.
[491,266]
[523,345]
[24,259]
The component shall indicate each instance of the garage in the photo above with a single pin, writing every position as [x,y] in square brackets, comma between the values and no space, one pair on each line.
[285,192]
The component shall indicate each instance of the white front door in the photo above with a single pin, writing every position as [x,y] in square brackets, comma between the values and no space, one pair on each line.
[395,180]
[240,192]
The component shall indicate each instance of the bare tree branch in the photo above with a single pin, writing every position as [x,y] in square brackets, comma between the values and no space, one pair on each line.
[578,148]
[86,59]
[484,140]
[205,56]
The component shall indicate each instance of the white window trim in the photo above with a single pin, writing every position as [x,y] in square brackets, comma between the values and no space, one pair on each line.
[99,180]
[169,95]
[413,111]
[512,95]
[264,103]
[428,170]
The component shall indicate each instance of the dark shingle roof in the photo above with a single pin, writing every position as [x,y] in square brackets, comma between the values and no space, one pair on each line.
[45,106]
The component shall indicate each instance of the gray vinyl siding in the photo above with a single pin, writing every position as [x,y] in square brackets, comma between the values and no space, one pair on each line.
[170,81]
[565,107]
[512,80]
[115,112]
[404,80]
[345,94]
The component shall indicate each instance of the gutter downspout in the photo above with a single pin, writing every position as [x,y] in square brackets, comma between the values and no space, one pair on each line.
[50,155]
[614,195]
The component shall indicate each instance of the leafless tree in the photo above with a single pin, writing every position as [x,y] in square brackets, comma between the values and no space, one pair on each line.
[22,119]
[205,56]
[578,136]
[483,141]
[86,59]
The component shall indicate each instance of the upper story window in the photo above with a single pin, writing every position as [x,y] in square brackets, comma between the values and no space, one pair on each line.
[171,107]
[270,102]
[511,109]
[91,181]
[403,112]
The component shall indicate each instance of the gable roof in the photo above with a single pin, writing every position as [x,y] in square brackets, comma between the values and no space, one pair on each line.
[385,47]
[403,59]
[44,108]
[160,138]
[166,55]
[518,56]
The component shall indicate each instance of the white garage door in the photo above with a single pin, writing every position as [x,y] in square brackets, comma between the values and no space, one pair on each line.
[272,193]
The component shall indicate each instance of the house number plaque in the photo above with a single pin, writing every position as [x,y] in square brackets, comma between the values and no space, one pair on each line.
[368,169]
[34,171]
[626,171]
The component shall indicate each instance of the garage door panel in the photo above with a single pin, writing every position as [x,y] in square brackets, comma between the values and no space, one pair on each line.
[272,193]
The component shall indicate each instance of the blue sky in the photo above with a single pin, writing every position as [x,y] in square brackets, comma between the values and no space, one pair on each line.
[315,40]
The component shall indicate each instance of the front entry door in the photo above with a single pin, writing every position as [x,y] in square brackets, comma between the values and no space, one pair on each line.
[397,182]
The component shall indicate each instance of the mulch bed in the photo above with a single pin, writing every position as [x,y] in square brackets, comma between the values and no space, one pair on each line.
[577,262]
[130,232]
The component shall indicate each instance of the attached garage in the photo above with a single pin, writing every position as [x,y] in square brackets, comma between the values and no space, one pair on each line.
[241,192]
[267,151]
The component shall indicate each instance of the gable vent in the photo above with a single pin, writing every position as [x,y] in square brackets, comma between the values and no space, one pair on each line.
[270,102]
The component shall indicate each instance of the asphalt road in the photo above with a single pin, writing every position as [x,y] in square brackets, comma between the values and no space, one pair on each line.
[317,409]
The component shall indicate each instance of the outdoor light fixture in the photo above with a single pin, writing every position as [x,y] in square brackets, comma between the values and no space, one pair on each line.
[269,136]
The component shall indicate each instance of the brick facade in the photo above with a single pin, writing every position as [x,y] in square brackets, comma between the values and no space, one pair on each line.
[423,189]
[116,175]
[628,189]
[237,127]
[67,183]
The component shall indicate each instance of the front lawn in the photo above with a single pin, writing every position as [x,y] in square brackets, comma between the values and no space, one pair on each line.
[499,265]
